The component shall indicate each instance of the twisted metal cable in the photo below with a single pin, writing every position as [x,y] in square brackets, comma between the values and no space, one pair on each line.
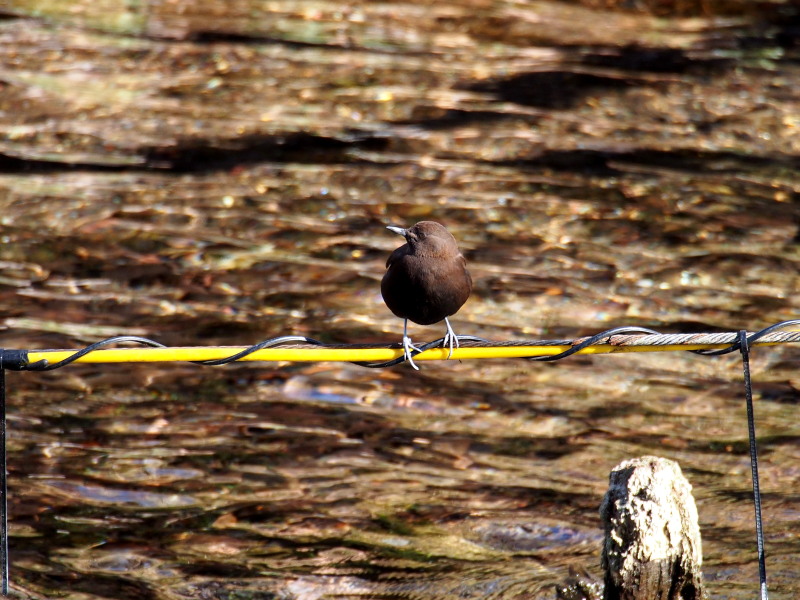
[759,335]
[618,337]
[270,343]
[595,339]
[744,349]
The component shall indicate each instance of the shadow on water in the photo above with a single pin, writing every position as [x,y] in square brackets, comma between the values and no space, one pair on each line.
[220,174]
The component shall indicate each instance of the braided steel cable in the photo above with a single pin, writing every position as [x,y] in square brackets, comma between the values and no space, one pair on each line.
[630,339]
[609,341]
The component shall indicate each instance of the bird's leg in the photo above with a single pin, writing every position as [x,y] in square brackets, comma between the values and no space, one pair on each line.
[450,338]
[408,346]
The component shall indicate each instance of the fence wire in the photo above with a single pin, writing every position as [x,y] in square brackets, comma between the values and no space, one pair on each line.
[300,348]
[304,349]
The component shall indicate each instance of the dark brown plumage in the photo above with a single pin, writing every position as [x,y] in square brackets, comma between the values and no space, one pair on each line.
[426,280]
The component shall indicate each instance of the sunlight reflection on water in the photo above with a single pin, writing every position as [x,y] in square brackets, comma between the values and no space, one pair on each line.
[94,494]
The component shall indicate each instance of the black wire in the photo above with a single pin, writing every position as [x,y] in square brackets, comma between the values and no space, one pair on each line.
[577,348]
[751,432]
[742,344]
[434,344]
[294,339]
[270,343]
[756,336]
[3,485]
[44,364]
[592,340]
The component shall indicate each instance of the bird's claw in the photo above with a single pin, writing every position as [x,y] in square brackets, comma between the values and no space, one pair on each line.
[450,339]
[408,346]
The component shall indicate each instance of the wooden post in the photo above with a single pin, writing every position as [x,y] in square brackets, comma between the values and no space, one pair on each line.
[652,548]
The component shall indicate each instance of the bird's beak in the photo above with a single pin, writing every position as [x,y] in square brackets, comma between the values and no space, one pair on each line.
[397,230]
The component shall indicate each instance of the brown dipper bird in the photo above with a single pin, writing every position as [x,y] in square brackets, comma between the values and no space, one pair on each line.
[426,280]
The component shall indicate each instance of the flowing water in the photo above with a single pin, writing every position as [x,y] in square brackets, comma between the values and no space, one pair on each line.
[222,173]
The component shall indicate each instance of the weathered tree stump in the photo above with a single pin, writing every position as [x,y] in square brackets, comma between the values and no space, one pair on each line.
[652,548]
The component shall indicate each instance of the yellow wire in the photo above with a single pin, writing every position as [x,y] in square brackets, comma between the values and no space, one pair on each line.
[123,355]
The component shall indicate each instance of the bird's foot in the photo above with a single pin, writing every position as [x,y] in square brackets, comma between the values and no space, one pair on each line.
[450,339]
[408,346]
